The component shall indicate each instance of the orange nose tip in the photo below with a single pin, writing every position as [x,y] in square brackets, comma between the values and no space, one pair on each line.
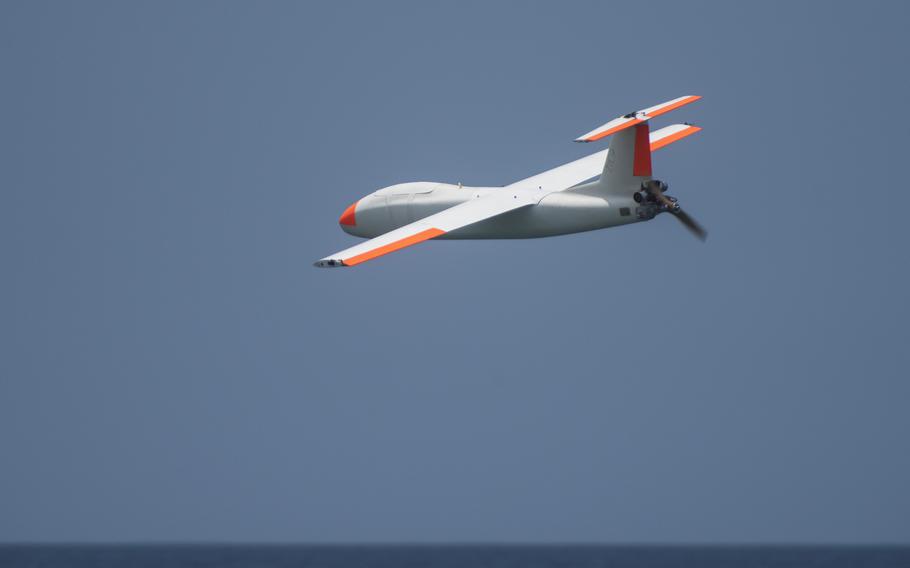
[347,218]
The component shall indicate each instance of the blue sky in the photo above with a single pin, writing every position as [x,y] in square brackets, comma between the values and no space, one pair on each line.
[173,367]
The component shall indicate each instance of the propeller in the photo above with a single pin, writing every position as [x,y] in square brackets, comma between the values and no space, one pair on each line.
[656,189]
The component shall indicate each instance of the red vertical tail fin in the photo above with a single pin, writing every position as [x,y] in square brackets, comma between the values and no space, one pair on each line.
[628,162]
[641,164]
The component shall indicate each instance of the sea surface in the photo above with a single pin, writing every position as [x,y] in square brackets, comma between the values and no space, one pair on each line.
[467,556]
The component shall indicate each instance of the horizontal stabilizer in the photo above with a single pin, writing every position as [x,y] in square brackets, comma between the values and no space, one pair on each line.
[589,167]
[634,118]
[670,134]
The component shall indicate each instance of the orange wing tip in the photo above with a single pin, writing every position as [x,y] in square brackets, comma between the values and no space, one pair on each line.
[349,216]
[667,140]
[393,246]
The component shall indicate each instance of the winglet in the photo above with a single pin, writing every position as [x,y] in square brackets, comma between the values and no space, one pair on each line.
[634,118]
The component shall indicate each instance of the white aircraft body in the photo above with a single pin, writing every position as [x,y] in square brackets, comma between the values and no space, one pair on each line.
[556,202]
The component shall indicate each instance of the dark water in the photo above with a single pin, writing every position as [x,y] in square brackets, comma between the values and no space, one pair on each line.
[168,556]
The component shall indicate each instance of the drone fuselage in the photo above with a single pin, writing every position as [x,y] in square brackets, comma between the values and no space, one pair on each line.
[606,189]
[557,213]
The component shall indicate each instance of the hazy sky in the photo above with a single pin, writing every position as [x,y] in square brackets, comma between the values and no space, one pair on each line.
[174,368]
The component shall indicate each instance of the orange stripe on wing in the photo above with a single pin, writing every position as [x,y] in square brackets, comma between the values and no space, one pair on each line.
[674,137]
[613,130]
[674,106]
[391,247]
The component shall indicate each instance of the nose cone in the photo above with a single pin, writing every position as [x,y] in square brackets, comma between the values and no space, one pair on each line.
[348,218]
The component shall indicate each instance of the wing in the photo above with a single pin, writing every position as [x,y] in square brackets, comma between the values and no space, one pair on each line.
[634,118]
[583,169]
[462,215]
[566,175]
